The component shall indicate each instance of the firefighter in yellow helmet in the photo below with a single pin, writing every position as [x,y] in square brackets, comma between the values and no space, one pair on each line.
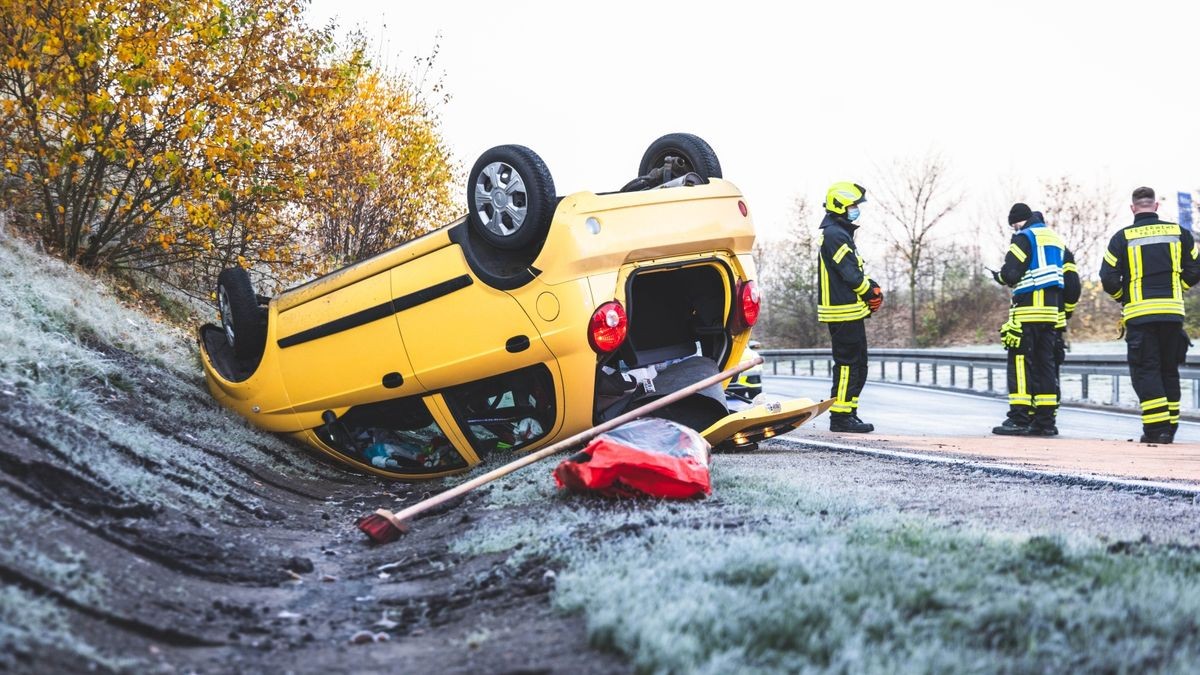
[847,297]
[1147,267]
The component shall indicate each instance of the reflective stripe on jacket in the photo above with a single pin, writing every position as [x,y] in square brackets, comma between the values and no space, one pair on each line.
[840,277]
[1147,267]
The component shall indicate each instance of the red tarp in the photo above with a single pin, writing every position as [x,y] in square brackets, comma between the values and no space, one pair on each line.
[648,457]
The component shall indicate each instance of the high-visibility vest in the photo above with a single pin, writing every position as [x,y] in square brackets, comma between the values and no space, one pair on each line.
[1045,261]
[1036,295]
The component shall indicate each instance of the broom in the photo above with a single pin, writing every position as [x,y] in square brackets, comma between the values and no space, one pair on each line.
[383,526]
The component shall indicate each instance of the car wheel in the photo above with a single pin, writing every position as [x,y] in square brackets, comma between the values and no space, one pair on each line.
[693,150]
[240,320]
[510,194]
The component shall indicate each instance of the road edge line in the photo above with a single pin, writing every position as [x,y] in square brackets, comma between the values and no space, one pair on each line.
[1173,489]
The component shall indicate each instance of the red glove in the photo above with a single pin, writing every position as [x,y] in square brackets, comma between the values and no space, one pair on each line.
[875,299]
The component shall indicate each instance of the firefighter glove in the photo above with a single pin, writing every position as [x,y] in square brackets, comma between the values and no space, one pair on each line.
[874,298]
[1010,334]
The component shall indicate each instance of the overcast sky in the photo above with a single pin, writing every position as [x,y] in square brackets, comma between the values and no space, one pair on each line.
[795,97]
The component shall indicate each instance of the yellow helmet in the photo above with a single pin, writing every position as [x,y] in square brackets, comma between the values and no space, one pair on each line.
[842,196]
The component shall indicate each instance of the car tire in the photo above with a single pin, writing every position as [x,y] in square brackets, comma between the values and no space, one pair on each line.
[698,154]
[240,317]
[510,197]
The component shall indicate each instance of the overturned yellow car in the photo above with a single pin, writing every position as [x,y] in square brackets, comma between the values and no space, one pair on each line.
[528,320]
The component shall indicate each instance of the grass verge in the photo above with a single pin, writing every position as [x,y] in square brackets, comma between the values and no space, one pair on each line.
[763,579]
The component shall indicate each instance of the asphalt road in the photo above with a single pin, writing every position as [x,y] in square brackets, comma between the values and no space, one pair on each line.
[917,411]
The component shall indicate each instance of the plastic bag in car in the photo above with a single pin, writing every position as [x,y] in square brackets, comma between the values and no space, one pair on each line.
[648,457]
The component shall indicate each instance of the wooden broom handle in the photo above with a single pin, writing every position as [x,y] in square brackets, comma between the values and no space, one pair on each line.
[398,519]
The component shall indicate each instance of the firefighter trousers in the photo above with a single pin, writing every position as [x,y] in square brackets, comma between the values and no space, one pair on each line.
[1155,350]
[849,342]
[1033,376]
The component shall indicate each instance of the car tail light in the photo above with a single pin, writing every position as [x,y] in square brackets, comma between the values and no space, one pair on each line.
[751,303]
[607,329]
[742,207]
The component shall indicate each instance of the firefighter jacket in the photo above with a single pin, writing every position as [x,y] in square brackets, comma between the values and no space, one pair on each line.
[1148,266]
[1072,289]
[1033,268]
[840,277]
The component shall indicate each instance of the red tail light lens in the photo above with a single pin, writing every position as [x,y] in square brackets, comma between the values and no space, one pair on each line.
[607,329]
[751,303]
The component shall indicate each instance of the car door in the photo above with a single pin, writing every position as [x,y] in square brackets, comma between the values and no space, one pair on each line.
[455,327]
[342,348]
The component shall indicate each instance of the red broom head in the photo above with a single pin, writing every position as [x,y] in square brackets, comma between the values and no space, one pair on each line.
[379,528]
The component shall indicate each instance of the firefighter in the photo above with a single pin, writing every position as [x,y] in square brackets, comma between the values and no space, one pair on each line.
[1147,267]
[1033,268]
[847,297]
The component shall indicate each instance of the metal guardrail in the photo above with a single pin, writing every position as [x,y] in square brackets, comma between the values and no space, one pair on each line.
[985,372]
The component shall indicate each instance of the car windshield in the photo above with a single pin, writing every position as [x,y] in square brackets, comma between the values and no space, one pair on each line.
[505,412]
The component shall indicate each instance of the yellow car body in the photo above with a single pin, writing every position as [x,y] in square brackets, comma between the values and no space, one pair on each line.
[421,325]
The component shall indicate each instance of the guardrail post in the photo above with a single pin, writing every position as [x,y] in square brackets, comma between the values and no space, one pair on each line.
[936,365]
[1116,386]
[883,373]
[1083,384]
[971,376]
[918,365]
[952,378]
[990,387]
[829,367]
[812,367]
[1195,393]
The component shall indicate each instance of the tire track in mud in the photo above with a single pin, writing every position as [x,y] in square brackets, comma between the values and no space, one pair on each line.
[157,633]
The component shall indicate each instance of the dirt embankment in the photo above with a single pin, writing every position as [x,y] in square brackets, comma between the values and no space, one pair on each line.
[145,529]
[136,539]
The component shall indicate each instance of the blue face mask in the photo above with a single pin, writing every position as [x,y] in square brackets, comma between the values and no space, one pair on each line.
[852,214]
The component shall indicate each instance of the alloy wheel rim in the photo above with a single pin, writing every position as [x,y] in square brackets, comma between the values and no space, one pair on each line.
[501,199]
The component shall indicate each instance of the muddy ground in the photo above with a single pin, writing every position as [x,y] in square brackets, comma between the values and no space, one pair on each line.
[273,578]
[114,572]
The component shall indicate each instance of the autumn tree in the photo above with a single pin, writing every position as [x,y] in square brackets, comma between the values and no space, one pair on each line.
[156,132]
[385,174]
[914,196]
[144,133]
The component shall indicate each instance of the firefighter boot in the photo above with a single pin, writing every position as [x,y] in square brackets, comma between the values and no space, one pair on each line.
[1043,421]
[1043,429]
[847,423]
[1159,436]
[1013,426]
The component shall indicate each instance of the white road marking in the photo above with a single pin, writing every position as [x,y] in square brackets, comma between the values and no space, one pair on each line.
[1182,489]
